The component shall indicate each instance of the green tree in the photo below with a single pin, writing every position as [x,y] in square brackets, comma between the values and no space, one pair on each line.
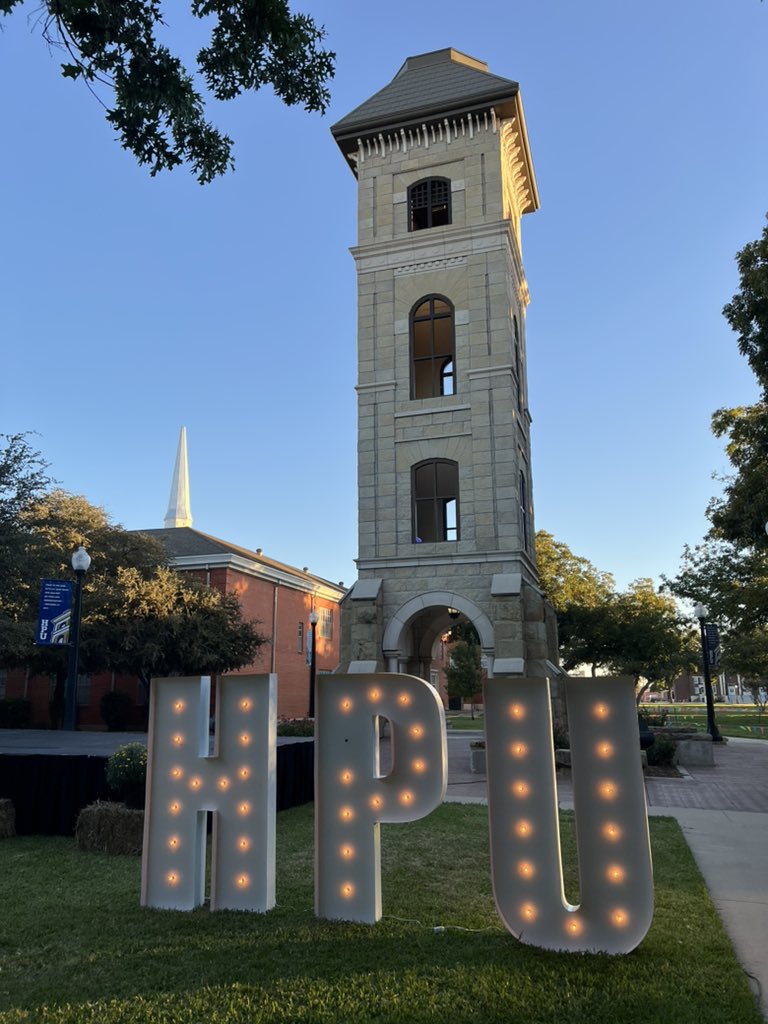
[653,642]
[740,514]
[746,653]
[732,581]
[155,106]
[463,672]
[569,579]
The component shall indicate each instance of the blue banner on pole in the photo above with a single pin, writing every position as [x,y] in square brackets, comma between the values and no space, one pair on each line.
[55,612]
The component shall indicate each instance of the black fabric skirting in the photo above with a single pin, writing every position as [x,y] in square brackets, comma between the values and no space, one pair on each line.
[48,791]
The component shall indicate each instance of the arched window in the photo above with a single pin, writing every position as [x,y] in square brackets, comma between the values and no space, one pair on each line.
[429,204]
[432,348]
[435,491]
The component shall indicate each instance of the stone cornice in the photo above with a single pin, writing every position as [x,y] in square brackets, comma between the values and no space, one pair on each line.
[419,251]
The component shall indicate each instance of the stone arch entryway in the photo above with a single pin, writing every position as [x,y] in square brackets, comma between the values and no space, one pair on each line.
[411,633]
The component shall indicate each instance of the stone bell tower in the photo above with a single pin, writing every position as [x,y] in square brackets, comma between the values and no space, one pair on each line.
[444,175]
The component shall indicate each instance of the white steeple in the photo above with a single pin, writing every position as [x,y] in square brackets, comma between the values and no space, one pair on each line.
[178,513]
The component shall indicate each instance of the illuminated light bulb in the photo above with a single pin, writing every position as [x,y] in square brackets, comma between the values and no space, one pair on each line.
[611,831]
[604,749]
[346,704]
[529,912]
[346,776]
[417,731]
[244,772]
[244,808]
[177,739]
[406,797]
[374,695]
[608,790]
[346,814]
[419,765]
[223,782]
[620,918]
[347,890]
[601,711]
[615,873]
[246,704]
[574,926]
[172,878]
[524,828]
[177,773]
[518,750]
[376,802]
[195,782]
[243,843]
[520,788]
[347,852]
[525,869]
[179,706]
[517,711]
[174,806]
[245,739]
[404,699]
[173,843]
[243,881]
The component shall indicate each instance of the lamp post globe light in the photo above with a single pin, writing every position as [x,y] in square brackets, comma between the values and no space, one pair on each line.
[701,612]
[81,561]
[313,617]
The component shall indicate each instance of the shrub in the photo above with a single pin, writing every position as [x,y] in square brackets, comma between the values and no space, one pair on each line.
[662,752]
[658,719]
[296,727]
[127,764]
[116,710]
[109,828]
[15,713]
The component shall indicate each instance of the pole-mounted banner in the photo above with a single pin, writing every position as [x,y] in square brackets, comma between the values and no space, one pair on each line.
[55,612]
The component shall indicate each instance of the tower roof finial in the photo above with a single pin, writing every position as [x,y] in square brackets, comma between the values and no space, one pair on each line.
[179,513]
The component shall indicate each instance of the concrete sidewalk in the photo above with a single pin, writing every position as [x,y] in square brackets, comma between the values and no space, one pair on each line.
[723,812]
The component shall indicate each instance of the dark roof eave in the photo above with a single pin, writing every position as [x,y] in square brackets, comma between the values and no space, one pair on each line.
[350,132]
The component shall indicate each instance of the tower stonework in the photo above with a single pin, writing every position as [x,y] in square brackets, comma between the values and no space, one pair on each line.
[444,176]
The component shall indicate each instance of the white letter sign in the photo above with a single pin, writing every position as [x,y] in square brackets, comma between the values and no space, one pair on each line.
[236,783]
[611,818]
[352,796]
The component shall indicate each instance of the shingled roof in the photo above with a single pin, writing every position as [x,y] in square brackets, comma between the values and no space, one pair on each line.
[185,542]
[429,85]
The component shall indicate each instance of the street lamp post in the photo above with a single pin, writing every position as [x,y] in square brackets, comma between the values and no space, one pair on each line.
[313,617]
[80,563]
[701,612]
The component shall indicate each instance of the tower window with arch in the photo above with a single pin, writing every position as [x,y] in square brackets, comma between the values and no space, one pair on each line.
[435,491]
[433,348]
[429,204]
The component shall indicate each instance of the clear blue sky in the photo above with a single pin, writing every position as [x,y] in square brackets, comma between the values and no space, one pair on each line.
[130,305]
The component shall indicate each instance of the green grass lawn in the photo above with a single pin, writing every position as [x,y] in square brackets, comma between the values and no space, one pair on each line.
[76,947]
[456,721]
[732,719]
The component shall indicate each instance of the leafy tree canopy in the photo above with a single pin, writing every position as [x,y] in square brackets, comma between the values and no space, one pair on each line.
[740,514]
[569,579]
[156,106]
[463,673]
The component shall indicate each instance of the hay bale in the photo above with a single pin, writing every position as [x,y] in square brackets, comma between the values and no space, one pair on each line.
[7,819]
[106,827]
